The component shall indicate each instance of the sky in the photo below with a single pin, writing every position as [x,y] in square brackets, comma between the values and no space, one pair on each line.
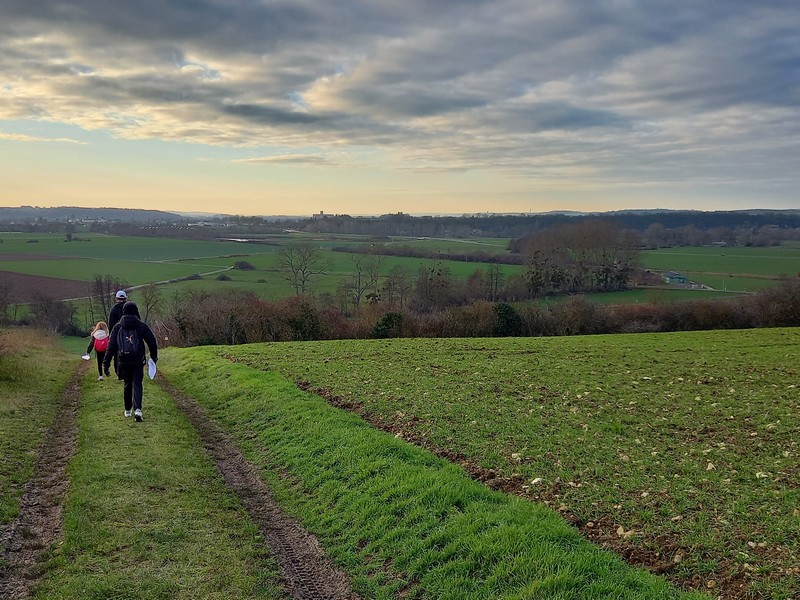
[292,107]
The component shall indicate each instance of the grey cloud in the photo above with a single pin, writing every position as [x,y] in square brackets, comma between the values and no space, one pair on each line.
[551,115]
[270,115]
[618,86]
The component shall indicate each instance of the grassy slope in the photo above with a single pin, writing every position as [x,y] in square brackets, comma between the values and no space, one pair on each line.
[33,374]
[147,515]
[691,440]
[400,520]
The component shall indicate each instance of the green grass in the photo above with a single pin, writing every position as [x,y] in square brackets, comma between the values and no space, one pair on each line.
[32,376]
[147,515]
[728,268]
[103,246]
[144,260]
[691,440]
[401,521]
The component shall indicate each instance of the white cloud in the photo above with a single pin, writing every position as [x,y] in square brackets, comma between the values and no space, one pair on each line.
[20,137]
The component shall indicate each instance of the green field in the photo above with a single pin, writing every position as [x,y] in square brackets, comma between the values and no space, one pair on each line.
[139,261]
[690,441]
[678,451]
[145,260]
[733,269]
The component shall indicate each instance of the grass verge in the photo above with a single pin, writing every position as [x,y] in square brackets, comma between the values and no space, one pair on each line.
[33,373]
[402,522]
[147,514]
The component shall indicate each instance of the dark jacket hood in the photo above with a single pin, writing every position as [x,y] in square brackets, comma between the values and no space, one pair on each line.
[129,321]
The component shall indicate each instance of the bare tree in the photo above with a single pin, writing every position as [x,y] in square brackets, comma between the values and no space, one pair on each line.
[299,264]
[397,287]
[55,316]
[6,297]
[101,295]
[496,281]
[151,298]
[365,278]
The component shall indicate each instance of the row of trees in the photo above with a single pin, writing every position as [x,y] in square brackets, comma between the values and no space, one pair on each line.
[580,257]
[236,317]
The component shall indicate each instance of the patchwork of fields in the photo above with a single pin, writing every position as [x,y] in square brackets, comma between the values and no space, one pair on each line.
[139,261]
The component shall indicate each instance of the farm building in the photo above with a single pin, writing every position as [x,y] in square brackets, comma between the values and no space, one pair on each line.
[673,277]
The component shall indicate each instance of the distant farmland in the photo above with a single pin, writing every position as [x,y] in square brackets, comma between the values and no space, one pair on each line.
[66,268]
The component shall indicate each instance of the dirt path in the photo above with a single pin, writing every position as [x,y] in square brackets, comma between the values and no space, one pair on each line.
[307,572]
[39,522]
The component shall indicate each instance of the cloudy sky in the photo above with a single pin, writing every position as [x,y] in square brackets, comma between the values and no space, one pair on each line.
[421,106]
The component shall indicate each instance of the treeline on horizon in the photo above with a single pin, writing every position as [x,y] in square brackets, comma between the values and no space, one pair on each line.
[656,228]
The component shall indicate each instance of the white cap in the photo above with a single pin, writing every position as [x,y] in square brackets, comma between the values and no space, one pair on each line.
[122,294]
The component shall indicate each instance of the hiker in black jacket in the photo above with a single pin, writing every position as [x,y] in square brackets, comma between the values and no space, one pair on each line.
[127,342]
[114,315]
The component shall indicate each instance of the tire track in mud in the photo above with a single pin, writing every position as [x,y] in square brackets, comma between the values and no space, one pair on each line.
[307,572]
[39,524]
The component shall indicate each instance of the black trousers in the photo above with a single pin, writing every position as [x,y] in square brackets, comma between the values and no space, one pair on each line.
[100,356]
[132,376]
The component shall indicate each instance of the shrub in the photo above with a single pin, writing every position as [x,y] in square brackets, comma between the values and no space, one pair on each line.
[390,326]
[537,320]
[54,316]
[581,316]
[508,322]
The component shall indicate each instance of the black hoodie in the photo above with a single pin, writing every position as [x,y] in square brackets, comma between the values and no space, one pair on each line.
[145,334]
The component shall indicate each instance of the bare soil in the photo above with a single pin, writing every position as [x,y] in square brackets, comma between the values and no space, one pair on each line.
[26,540]
[29,288]
[306,570]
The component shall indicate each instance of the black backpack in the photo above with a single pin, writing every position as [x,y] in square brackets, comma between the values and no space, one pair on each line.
[129,345]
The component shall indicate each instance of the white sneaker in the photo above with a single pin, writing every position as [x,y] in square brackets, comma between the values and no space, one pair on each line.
[137,414]
[127,413]
[100,378]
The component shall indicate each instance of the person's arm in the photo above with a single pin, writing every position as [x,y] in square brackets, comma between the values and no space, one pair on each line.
[112,347]
[150,340]
[91,345]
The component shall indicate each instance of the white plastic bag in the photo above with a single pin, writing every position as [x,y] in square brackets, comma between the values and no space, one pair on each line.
[151,368]
[85,357]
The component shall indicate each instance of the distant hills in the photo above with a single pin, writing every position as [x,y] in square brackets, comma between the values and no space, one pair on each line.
[64,213]
[488,223]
